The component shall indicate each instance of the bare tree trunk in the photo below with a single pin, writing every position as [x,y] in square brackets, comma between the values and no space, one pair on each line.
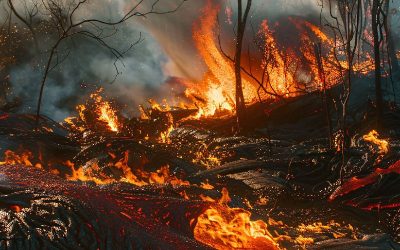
[394,63]
[377,41]
[321,72]
[240,102]
[44,78]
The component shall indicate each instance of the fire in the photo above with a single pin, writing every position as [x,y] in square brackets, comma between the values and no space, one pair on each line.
[105,112]
[96,106]
[164,136]
[24,158]
[82,175]
[107,115]
[287,70]
[206,185]
[216,90]
[332,227]
[303,241]
[206,158]
[136,177]
[372,137]
[222,227]
[383,145]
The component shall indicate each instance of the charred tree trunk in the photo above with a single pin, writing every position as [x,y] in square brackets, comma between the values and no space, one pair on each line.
[240,102]
[318,55]
[391,50]
[376,20]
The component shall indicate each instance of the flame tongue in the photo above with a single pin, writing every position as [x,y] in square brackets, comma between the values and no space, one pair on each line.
[105,112]
[97,108]
[129,174]
[223,227]
[25,158]
[383,145]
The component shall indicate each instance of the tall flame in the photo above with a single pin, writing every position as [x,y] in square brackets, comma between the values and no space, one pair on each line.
[286,70]
[217,88]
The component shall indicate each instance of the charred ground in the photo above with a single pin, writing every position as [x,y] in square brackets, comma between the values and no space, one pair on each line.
[283,171]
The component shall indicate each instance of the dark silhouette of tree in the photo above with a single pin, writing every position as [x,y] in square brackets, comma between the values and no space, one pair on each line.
[240,102]
[346,27]
[377,23]
[390,43]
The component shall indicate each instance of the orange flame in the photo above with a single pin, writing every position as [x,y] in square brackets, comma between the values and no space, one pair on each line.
[139,178]
[164,135]
[372,137]
[80,174]
[222,227]
[105,112]
[102,110]
[218,85]
[288,71]
[25,158]
[383,145]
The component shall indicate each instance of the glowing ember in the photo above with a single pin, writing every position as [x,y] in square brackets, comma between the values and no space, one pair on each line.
[222,227]
[303,241]
[333,228]
[356,183]
[206,185]
[317,227]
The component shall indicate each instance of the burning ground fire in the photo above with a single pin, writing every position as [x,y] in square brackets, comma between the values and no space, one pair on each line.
[24,159]
[99,114]
[219,226]
[227,227]
[93,173]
